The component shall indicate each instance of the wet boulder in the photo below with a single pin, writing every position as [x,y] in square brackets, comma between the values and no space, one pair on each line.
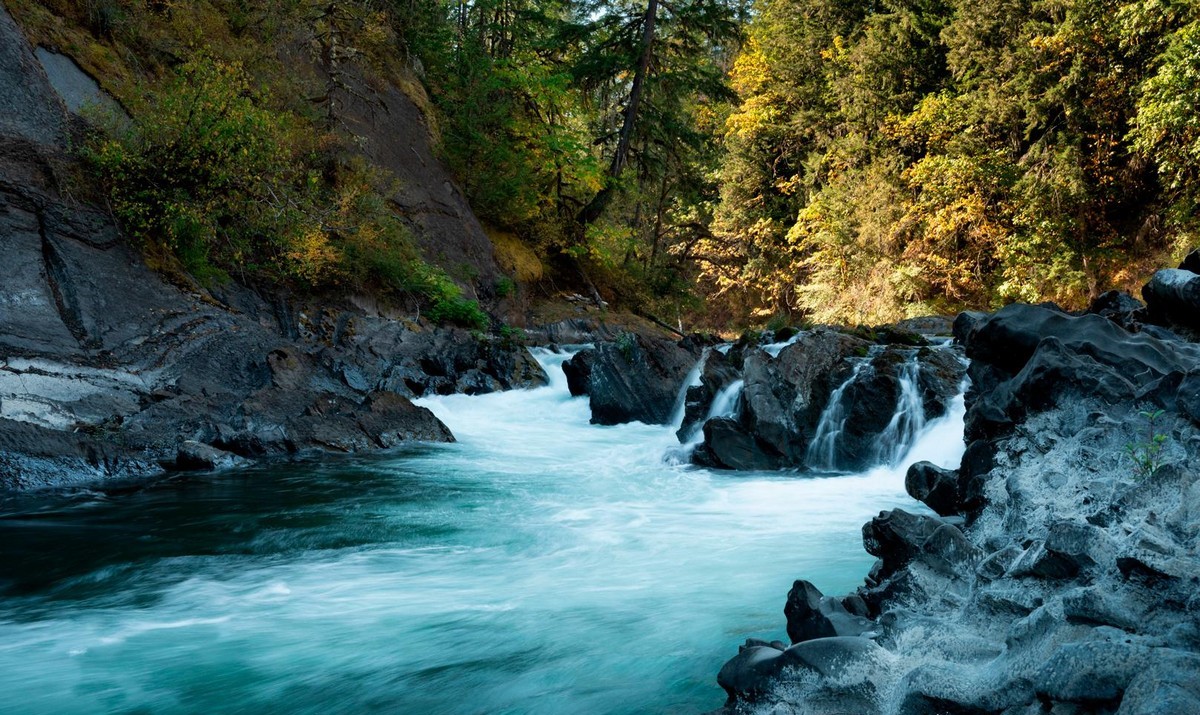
[755,669]
[811,615]
[935,487]
[1173,297]
[195,455]
[579,372]
[727,445]
[637,378]
[898,538]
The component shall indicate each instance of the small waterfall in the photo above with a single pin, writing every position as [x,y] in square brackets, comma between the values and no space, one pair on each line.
[822,452]
[773,349]
[692,380]
[725,404]
[909,418]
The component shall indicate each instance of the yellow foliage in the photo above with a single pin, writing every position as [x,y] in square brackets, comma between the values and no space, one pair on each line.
[312,258]
[515,257]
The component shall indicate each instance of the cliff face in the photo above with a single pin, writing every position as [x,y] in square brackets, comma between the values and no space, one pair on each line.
[108,370]
[395,136]
[1063,575]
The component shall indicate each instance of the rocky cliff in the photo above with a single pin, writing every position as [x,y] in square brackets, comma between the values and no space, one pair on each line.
[108,370]
[1061,569]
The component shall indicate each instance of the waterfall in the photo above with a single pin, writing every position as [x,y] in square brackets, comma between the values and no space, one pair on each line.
[692,380]
[822,452]
[908,419]
[773,349]
[725,404]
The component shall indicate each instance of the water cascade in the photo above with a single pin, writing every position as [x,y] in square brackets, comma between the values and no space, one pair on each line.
[908,419]
[693,379]
[822,451]
[725,404]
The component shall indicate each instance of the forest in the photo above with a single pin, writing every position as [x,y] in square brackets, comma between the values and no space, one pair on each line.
[720,163]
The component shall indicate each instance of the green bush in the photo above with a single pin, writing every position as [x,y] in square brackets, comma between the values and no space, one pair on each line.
[209,174]
[204,171]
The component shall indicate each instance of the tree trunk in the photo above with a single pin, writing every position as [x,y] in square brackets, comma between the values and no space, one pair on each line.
[592,211]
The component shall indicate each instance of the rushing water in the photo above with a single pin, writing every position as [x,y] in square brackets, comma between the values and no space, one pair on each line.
[539,565]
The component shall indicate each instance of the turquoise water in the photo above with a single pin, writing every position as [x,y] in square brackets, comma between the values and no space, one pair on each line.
[539,565]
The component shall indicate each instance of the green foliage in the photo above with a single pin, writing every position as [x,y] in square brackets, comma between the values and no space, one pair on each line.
[627,345]
[536,104]
[1167,126]
[505,287]
[204,171]
[1147,453]
[208,173]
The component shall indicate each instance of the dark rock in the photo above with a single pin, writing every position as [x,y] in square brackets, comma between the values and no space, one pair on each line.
[751,673]
[1070,548]
[1037,356]
[637,378]
[728,446]
[391,419]
[33,110]
[32,457]
[811,615]
[579,372]
[194,455]
[977,463]
[1173,297]
[937,488]
[897,537]
[1119,307]
[948,551]
[1191,262]
[939,377]
[1076,546]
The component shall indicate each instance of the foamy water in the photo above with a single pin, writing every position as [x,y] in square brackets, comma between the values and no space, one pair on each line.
[539,565]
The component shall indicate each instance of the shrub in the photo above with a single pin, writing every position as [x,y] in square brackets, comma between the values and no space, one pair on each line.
[211,175]
[207,172]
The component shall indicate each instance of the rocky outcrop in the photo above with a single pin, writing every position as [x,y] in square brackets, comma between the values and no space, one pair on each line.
[1061,573]
[637,378]
[827,400]
[107,370]
[782,400]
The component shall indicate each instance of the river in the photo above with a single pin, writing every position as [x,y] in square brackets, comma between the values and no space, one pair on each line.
[539,565]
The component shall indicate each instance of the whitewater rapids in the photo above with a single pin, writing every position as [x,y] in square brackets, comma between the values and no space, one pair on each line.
[539,565]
